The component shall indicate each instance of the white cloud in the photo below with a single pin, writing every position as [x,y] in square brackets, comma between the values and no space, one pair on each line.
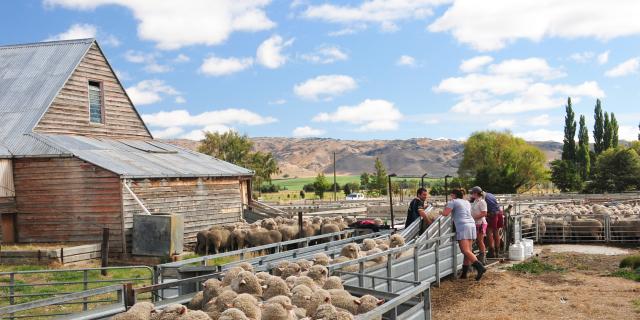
[369,115]
[214,66]
[175,24]
[122,75]
[432,121]
[582,57]
[180,100]
[326,55]
[603,57]
[173,123]
[269,53]
[157,68]
[353,29]
[503,22]
[628,133]
[181,58]
[476,63]
[325,87]
[278,102]
[170,132]
[149,59]
[76,31]
[307,131]
[503,123]
[514,86]
[407,61]
[387,14]
[539,121]
[625,68]
[111,40]
[150,91]
[541,135]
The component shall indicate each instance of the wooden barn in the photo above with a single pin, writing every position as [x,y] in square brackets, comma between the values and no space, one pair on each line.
[75,153]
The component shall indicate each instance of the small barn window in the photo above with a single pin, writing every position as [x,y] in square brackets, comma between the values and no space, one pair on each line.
[95,102]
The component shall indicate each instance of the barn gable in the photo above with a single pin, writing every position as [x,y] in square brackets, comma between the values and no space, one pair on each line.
[69,110]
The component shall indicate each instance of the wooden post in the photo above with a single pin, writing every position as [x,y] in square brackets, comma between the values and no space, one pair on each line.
[300,231]
[104,250]
[129,295]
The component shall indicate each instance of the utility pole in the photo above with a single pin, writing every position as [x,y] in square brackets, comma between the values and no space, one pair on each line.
[335,185]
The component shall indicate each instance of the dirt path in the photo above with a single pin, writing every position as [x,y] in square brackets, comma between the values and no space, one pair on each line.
[583,291]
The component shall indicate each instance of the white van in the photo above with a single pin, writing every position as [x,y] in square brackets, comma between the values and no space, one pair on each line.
[355,196]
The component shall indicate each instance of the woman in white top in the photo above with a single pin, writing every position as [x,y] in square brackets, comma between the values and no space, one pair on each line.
[479,212]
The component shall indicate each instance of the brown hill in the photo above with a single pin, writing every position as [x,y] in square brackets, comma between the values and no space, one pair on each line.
[305,157]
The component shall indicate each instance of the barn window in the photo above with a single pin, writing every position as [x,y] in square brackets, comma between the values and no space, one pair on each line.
[95,102]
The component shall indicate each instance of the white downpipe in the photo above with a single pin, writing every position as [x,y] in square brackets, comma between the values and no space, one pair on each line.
[136,198]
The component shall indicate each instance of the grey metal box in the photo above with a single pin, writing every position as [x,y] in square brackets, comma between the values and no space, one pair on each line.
[158,235]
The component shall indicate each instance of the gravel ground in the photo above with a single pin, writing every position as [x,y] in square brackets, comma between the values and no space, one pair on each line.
[583,291]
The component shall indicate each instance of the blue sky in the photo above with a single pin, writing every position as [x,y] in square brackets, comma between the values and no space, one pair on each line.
[393,69]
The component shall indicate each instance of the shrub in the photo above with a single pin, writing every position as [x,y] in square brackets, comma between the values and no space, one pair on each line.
[535,266]
[631,262]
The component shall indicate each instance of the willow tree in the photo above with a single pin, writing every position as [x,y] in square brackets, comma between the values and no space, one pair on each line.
[502,163]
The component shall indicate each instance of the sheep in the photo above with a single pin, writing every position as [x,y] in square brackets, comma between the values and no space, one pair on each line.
[333,282]
[319,274]
[368,244]
[202,242]
[350,268]
[246,282]
[289,232]
[300,294]
[378,260]
[590,229]
[344,315]
[218,304]
[351,251]
[238,239]
[367,303]
[304,264]
[246,266]
[195,315]
[230,275]
[305,280]
[279,268]
[328,228]
[248,305]
[326,312]
[211,289]
[321,259]
[139,311]
[268,224]
[233,314]
[319,297]
[262,237]
[263,277]
[171,312]
[396,240]
[275,311]
[219,238]
[291,281]
[292,269]
[197,301]
[383,247]
[344,300]
[275,287]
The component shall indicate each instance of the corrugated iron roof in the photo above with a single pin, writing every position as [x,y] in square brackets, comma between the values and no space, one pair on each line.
[31,76]
[143,159]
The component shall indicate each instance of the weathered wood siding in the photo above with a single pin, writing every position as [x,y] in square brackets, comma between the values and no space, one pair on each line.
[67,200]
[203,202]
[7,208]
[69,112]
[6,178]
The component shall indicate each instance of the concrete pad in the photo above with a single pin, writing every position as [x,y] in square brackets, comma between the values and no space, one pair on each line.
[586,249]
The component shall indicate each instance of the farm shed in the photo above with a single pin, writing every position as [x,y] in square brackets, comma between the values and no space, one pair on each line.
[75,153]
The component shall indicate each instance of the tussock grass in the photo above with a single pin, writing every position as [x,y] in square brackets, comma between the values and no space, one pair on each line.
[535,266]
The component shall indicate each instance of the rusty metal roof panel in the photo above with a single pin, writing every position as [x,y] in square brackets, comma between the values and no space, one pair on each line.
[31,75]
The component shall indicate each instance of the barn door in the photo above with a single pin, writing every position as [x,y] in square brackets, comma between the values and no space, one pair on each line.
[7,202]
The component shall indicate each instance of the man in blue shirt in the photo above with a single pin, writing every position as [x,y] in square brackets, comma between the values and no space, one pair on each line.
[416,208]
[495,222]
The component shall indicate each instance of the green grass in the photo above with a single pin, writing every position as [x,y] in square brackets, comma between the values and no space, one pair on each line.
[296,184]
[632,262]
[627,274]
[535,266]
[636,305]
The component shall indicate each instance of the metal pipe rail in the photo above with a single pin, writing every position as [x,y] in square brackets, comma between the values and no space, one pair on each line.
[413,304]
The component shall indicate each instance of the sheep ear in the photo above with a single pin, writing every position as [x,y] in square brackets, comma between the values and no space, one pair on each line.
[243,281]
[380,302]
[183,310]
[357,301]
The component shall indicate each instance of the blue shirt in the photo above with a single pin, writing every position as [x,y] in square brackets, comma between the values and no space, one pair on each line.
[492,203]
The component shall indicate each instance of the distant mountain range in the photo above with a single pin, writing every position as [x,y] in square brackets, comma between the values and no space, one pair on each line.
[305,157]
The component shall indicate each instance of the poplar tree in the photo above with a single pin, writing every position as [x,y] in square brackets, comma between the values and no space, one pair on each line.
[569,146]
[584,159]
[614,129]
[598,128]
[608,133]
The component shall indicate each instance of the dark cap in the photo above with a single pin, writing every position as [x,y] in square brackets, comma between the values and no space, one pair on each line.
[476,189]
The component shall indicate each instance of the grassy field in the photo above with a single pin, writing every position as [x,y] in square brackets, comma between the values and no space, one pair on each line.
[296,184]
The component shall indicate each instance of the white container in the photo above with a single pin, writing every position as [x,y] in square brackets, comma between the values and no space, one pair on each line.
[516,252]
[528,247]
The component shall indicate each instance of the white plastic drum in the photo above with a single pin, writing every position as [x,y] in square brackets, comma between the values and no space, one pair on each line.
[516,252]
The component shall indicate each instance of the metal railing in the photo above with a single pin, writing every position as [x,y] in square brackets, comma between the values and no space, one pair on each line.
[566,228]
[28,288]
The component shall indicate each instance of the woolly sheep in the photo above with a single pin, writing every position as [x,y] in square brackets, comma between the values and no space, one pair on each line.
[219,238]
[292,269]
[319,274]
[304,264]
[248,305]
[368,244]
[139,311]
[218,304]
[333,282]
[367,303]
[246,266]
[321,259]
[233,314]
[262,237]
[238,238]
[300,295]
[351,251]
[319,297]
[305,280]
[171,312]
[279,268]
[275,311]
[275,286]
[263,277]
[344,315]
[326,312]
[197,301]
[211,289]
[246,282]
[381,259]
[195,315]
[344,300]
[396,240]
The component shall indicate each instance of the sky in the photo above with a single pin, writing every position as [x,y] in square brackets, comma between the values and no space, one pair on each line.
[374,69]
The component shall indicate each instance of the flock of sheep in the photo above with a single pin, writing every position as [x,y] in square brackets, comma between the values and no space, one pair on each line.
[583,222]
[294,290]
[241,235]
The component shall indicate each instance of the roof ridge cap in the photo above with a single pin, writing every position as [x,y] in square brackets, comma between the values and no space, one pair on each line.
[47,43]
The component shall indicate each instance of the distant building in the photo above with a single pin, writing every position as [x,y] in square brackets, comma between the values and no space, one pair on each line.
[72,146]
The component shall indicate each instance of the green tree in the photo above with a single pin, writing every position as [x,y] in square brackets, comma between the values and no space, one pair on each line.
[228,146]
[618,170]
[350,187]
[583,156]
[569,143]
[614,131]
[365,180]
[608,133]
[264,165]
[379,180]
[502,163]
[321,185]
[565,175]
[598,129]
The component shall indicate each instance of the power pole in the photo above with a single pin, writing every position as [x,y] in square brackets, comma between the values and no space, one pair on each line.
[335,185]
